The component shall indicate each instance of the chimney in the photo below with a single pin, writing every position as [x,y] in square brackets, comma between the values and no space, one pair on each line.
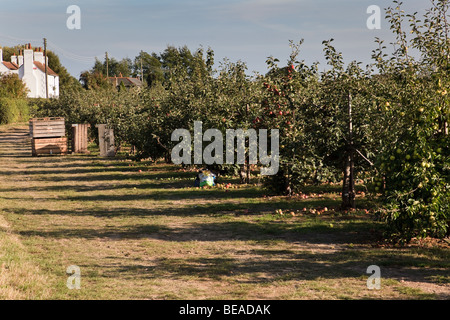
[27,71]
[14,58]
[39,55]
[20,58]
[1,54]
[28,60]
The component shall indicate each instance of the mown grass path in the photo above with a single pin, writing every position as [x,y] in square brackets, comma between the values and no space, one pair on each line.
[141,231]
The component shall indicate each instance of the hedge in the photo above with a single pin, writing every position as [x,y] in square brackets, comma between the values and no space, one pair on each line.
[13,110]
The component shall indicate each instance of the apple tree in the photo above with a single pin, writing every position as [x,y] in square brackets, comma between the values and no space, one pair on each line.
[414,161]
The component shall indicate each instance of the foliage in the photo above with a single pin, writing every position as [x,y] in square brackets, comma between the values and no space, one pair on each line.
[113,68]
[13,104]
[94,81]
[414,163]
[148,67]
[13,110]
[12,87]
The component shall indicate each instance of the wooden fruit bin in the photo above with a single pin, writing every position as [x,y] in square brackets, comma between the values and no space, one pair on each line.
[47,128]
[48,136]
[51,146]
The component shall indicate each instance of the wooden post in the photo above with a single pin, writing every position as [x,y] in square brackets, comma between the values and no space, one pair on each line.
[107,65]
[106,141]
[46,69]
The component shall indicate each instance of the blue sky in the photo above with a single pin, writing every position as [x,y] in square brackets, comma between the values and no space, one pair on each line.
[246,30]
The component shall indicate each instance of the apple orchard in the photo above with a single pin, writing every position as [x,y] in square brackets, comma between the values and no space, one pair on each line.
[384,126]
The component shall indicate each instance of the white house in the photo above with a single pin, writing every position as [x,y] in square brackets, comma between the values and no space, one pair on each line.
[29,65]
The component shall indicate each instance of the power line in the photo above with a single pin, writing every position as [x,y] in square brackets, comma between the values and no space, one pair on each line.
[54,47]
[71,55]
[19,39]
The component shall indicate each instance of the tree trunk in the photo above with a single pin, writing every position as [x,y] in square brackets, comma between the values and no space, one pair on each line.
[242,173]
[248,172]
[287,187]
[167,157]
[348,185]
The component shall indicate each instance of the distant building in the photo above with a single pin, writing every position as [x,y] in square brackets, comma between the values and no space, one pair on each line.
[30,67]
[128,82]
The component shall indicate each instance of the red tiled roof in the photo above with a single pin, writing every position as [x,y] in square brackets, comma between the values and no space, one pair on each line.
[10,65]
[42,68]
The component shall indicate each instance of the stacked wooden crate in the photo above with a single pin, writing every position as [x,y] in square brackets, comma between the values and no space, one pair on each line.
[48,136]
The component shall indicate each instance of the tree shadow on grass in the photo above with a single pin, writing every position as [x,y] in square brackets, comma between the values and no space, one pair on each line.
[357,233]
[270,267]
[136,192]
[219,204]
[92,171]
[21,150]
[108,233]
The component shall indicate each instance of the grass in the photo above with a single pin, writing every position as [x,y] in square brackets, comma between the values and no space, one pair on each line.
[141,231]
[20,278]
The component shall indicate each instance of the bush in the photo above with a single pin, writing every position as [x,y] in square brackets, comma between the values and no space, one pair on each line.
[13,110]
[12,87]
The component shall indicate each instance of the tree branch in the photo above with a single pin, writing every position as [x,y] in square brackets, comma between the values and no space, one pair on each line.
[370,162]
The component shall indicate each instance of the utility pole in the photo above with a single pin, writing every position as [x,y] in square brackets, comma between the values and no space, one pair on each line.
[142,73]
[46,71]
[107,71]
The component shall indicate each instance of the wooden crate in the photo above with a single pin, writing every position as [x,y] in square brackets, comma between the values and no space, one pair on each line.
[80,138]
[47,128]
[50,146]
